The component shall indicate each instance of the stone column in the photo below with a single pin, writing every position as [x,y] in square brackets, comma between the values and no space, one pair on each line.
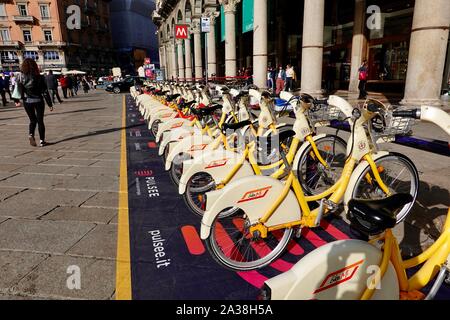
[198,62]
[359,43]
[173,60]
[180,59]
[260,61]
[211,43]
[312,52]
[427,52]
[188,57]
[230,36]
[167,70]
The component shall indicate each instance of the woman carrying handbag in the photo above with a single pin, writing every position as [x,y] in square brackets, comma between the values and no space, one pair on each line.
[32,90]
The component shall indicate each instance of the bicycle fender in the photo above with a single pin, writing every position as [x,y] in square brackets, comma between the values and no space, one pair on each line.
[194,145]
[302,149]
[174,136]
[171,124]
[254,195]
[218,164]
[338,270]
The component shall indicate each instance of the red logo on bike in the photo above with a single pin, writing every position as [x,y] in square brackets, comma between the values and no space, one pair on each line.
[199,147]
[255,194]
[177,125]
[217,163]
[340,276]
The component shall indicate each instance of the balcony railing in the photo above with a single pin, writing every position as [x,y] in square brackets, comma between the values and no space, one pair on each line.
[26,19]
[51,43]
[9,43]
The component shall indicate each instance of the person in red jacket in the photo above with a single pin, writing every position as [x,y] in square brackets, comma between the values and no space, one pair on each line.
[64,85]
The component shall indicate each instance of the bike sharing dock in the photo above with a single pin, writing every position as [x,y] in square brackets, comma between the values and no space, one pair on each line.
[166,257]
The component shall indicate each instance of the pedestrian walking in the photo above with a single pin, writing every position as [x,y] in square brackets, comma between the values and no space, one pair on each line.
[363,75]
[7,84]
[281,80]
[64,85]
[70,86]
[52,86]
[290,77]
[85,85]
[32,88]
[3,91]
[76,84]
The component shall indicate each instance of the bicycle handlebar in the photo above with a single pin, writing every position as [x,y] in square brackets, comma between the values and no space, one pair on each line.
[413,114]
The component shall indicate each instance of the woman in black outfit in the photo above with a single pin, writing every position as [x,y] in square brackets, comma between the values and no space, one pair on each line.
[33,88]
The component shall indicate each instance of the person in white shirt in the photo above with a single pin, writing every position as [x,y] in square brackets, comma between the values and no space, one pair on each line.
[290,77]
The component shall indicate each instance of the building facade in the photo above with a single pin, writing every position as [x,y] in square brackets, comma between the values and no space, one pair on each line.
[134,34]
[37,29]
[325,40]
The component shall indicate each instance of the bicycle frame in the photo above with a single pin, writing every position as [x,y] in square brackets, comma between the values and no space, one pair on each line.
[436,255]
[363,150]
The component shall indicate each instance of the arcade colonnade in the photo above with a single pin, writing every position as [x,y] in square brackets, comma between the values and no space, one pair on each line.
[426,61]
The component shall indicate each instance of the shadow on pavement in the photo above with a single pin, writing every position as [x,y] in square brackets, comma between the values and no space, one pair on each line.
[431,206]
[95,133]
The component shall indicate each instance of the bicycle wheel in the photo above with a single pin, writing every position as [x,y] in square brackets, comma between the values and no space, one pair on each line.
[154,128]
[314,177]
[195,195]
[176,171]
[399,174]
[233,247]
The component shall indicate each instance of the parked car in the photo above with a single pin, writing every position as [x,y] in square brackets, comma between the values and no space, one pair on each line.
[124,85]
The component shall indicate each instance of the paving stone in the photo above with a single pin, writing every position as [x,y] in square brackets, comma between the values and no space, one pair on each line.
[107,164]
[37,181]
[8,192]
[96,215]
[15,265]
[42,236]
[70,162]
[103,199]
[50,278]
[42,169]
[29,203]
[8,167]
[100,183]
[17,161]
[92,171]
[104,238]
[6,175]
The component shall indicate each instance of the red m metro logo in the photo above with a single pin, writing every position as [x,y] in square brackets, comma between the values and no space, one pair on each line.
[181,31]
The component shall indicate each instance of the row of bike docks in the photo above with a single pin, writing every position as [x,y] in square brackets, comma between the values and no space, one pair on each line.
[255,183]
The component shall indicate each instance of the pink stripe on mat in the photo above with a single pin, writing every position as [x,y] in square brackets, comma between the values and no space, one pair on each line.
[255,278]
[335,232]
[313,238]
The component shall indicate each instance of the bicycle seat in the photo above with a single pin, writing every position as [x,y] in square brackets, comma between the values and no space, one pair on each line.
[375,216]
[235,126]
[241,94]
[206,111]
[268,142]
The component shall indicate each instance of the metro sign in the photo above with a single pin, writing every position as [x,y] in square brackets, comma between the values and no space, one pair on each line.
[181,31]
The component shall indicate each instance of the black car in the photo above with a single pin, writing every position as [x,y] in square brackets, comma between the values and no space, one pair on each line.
[124,85]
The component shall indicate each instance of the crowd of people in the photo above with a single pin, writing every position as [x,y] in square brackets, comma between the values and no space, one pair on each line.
[70,85]
[281,79]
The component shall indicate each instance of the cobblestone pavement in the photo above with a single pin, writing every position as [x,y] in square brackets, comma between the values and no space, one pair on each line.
[58,204]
